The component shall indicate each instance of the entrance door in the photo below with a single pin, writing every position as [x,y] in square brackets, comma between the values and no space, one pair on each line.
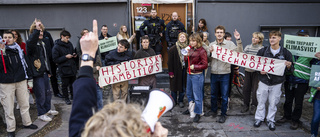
[141,11]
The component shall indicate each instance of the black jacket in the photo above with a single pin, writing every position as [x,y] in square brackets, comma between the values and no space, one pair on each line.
[152,23]
[173,29]
[114,57]
[13,64]
[67,67]
[284,54]
[35,51]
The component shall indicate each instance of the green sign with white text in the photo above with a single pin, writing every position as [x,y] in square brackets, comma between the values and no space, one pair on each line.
[107,45]
[302,46]
[315,76]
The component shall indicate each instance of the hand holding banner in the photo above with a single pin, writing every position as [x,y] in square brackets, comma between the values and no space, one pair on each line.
[269,65]
[107,45]
[130,70]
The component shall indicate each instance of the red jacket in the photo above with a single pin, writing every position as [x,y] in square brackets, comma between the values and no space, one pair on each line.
[198,58]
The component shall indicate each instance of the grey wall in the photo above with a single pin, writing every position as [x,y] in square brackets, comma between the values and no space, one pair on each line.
[72,17]
[247,17]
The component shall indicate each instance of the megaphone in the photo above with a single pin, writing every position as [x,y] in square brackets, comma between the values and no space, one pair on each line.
[185,50]
[159,103]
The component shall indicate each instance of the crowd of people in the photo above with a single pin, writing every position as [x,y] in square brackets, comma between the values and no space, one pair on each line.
[32,65]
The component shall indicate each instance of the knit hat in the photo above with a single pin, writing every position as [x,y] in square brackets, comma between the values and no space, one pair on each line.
[303,32]
[2,41]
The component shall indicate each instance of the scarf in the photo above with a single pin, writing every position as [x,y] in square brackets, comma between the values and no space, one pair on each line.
[179,47]
[23,61]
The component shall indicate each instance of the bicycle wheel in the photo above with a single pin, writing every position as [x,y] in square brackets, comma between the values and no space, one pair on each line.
[240,84]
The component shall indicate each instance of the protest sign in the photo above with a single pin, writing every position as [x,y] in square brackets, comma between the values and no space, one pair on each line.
[315,76]
[130,70]
[107,45]
[269,65]
[302,46]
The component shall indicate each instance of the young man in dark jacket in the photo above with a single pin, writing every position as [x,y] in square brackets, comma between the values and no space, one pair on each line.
[117,56]
[64,55]
[270,85]
[173,28]
[104,35]
[14,72]
[39,52]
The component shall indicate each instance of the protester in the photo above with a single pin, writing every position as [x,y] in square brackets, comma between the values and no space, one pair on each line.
[220,75]
[173,29]
[296,85]
[269,87]
[85,99]
[39,52]
[197,63]
[121,54]
[202,26]
[64,55]
[228,36]
[316,105]
[18,40]
[154,31]
[251,80]
[14,72]
[205,38]
[53,78]
[96,67]
[104,35]
[177,69]
[123,34]
[145,51]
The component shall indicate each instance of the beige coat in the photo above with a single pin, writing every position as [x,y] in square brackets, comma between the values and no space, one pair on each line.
[219,67]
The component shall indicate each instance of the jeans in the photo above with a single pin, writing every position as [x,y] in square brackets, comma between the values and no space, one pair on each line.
[181,93]
[99,97]
[316,117]
[223,80]
[194,91]
[41,89]
[294,92]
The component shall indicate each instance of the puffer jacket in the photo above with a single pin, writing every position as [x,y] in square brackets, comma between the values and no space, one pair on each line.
[283,54]
[35,51]
[67,67]
[219,67]
[198,58]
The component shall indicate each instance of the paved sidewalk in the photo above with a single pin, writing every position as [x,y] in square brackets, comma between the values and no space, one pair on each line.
[236,125]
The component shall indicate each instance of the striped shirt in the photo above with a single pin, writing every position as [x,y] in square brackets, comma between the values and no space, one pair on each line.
[253,50]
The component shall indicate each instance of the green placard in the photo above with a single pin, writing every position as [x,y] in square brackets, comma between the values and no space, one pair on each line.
[315,76]
[302,46]
[107,45]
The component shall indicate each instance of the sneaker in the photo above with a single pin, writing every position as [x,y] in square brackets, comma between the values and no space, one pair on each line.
[271,126]
[210,113]
[31,126]
[58,95]
[244,109]
[253,109]
[68,102]
[294,125]
[181,105]
[257,123]
[196,118]
[222,119]
[11,134]
[52,112]
[186,112]
[44,118]
[282,120]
